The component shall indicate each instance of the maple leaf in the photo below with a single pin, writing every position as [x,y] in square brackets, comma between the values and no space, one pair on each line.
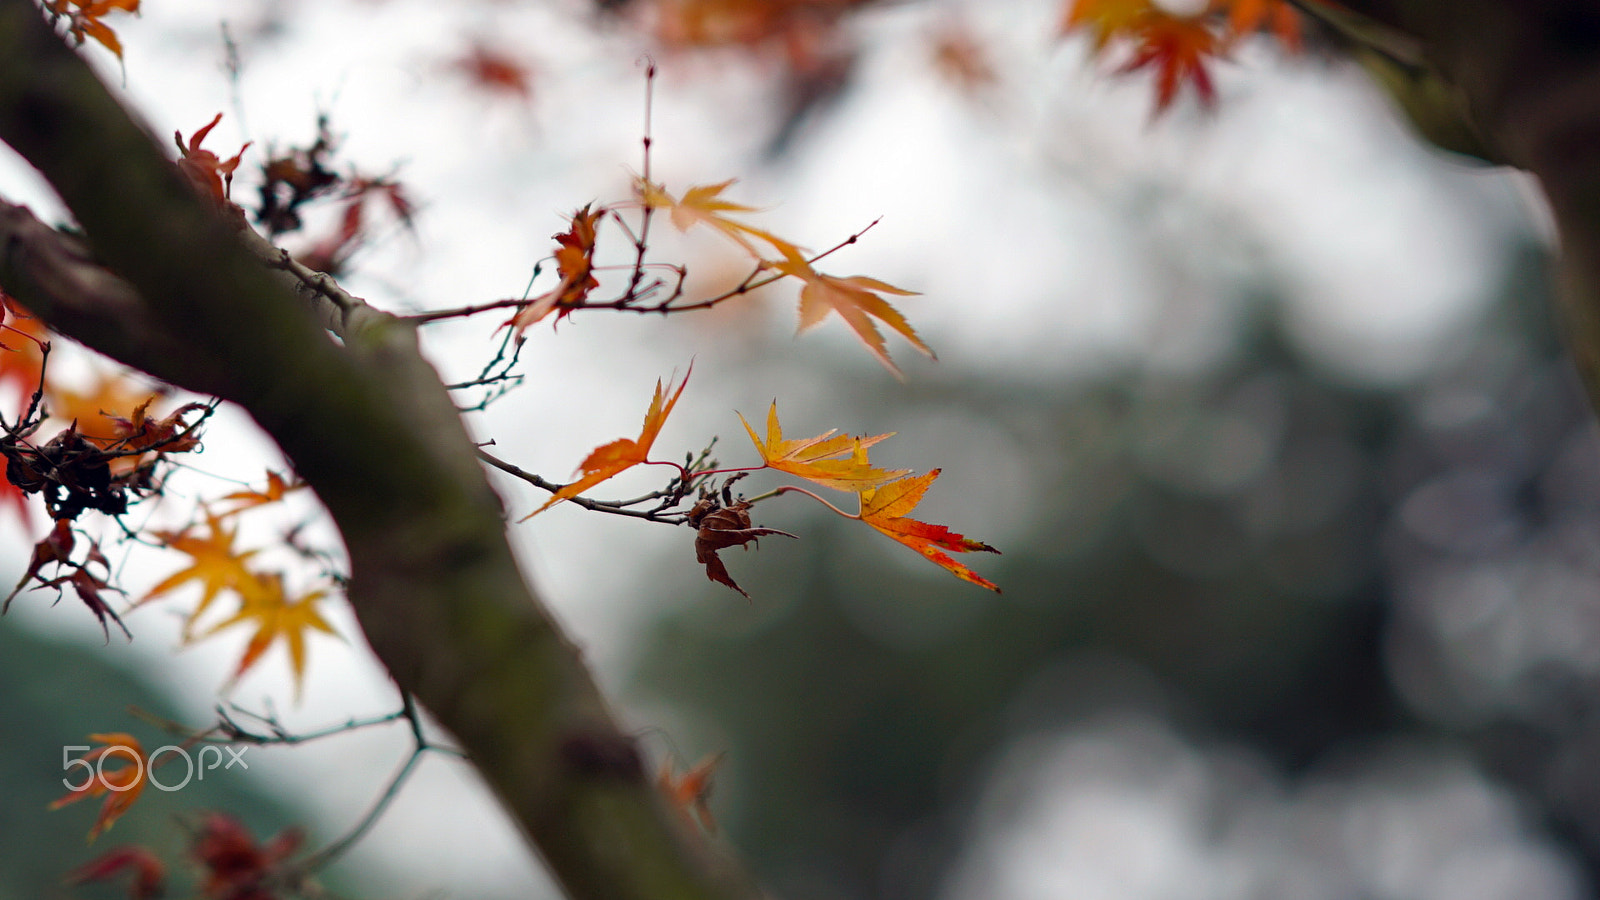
[275,616]
[830,461]
[1105,19]
[211,175]
[690,793]
[274,492]
[216,566]
[149,873]
[84,21]
[885,509]
[88,586]
[110,397]
[21,349]
[1178,49]
[124,783]
[57,548]
[1245,16]
[495,71]
[703,205]
[575,265]
[719,527]
[622,454]
[170,434]
[856,301]
[236,866]
[962,60]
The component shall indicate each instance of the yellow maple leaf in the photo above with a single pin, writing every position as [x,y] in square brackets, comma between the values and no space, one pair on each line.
[1106,19]
[703,205]
[622,454]
[276,616]
[856,301]
[216,566]
[885,509]
[836,462]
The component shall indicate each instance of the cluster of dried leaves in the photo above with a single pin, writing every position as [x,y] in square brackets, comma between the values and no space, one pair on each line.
[232,864]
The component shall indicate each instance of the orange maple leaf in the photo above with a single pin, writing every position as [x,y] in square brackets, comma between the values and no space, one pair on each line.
[856,301]
[690,793]
[1245,16]
[210,174]
[22,340]
[703,205]
[216,567]
[1178,48]
[276,616]
[623,453]
[885,509]
[575,264]
[836,462]
[84,21]
[274,492]
[124,783]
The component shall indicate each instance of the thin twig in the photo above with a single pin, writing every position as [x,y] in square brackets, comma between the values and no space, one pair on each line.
[654,515]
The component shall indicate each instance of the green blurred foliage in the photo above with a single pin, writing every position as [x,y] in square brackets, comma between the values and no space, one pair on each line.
[56,694]
[1225,549]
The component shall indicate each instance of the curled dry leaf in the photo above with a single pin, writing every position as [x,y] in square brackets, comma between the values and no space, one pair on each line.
[719,527]
[57,548]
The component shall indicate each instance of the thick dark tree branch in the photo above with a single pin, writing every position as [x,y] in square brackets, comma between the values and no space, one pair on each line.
[368,425]
[1529,71]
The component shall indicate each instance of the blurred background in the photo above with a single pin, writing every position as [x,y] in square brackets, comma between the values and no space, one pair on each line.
[1298,499]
